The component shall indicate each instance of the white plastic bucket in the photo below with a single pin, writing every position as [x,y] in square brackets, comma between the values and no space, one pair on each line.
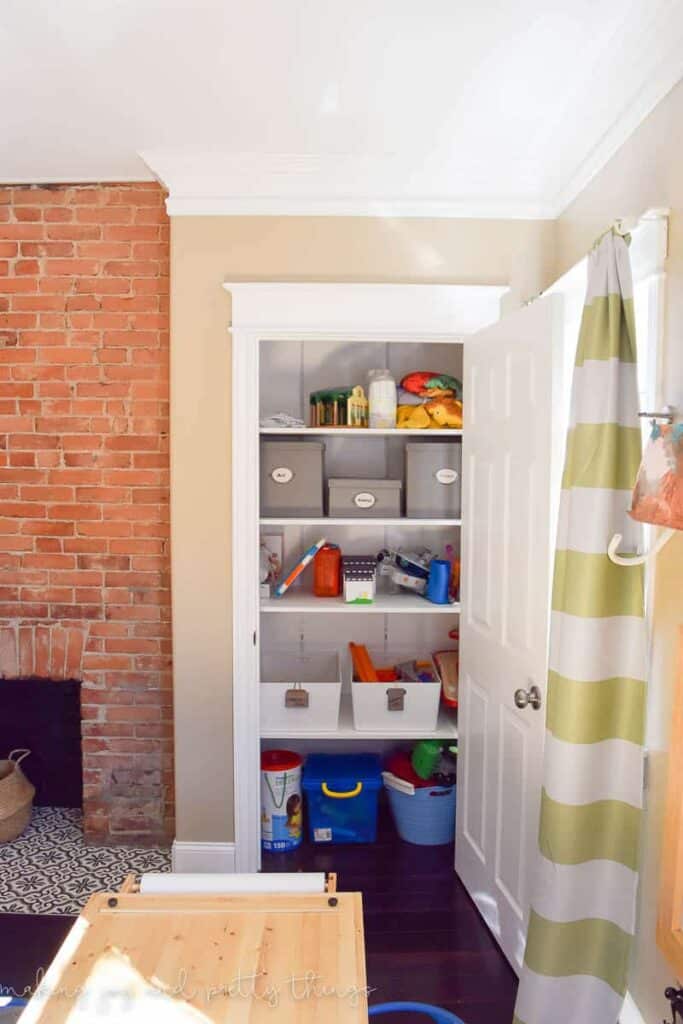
[281,800]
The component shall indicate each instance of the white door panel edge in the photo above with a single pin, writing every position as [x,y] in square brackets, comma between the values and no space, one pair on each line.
[510,452]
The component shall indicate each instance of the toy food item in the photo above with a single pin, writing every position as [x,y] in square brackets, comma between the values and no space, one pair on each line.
[412,417]
[428,384]
[446,412]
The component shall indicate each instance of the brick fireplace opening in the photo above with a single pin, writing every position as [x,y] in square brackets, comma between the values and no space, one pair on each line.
[84,495]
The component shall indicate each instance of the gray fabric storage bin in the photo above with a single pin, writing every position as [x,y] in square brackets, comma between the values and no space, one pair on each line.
[433,480]
[292,478]
[365,499]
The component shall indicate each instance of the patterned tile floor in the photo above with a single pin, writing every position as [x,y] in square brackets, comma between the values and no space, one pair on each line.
[51,870]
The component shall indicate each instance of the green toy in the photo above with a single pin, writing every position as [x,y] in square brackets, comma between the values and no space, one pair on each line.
[427,754]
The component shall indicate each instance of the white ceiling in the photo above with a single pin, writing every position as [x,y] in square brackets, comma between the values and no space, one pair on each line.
[445,107]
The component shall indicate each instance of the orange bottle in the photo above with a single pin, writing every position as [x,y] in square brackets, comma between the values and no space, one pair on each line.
[327,572]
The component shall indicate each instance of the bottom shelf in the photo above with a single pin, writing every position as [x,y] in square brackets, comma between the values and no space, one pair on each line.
[446,729]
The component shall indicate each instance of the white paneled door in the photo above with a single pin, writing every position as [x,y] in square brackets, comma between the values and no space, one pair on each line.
[510,448]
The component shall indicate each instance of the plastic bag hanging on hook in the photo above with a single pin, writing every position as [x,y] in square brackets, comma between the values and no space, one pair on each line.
[658,493]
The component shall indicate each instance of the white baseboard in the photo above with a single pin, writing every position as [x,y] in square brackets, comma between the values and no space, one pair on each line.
[630,1013]
[203,857]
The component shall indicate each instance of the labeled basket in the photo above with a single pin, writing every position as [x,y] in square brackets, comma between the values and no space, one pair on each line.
[16,796]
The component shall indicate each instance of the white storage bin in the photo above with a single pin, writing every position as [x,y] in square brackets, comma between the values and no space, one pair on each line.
[399,707]
[317,676]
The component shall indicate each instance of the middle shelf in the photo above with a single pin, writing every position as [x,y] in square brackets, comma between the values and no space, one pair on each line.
[409,604]
[446,728]
[374,521]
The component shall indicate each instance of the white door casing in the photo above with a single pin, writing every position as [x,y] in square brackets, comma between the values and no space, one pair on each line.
[294,312]
[510,450]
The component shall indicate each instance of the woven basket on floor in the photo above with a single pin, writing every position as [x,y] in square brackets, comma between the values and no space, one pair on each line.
[16,796]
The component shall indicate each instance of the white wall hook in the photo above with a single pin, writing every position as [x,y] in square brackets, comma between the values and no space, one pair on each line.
[631,560]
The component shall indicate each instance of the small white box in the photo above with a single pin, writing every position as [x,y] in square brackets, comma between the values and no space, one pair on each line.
[316,677]
[399,707]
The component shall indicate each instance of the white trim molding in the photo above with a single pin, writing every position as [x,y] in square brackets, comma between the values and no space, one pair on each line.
[334,206]
[203,858]
[320,312]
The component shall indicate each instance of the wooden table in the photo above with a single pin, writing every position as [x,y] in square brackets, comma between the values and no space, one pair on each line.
[239,959]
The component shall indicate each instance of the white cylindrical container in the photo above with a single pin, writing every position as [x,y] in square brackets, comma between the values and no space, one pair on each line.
[382,400]
[281,800]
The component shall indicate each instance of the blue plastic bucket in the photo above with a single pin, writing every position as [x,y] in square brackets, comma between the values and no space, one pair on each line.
[426,818]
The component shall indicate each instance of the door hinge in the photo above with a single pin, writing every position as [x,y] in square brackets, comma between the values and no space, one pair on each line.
[254,638]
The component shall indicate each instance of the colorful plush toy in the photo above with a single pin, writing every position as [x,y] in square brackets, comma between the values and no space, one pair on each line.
[446,412]
[436,414]
[428,384]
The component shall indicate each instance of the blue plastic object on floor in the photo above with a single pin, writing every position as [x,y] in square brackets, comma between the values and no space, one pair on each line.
[10,1009]
[434,1013]
[427,818]
[342,792]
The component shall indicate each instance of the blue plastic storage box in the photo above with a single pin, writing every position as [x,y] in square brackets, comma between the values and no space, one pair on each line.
[342,791]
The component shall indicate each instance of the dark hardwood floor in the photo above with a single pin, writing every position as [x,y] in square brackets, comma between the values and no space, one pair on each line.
[424,939]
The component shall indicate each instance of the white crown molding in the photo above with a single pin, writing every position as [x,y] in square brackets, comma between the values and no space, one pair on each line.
[660,57]
[274,206]
[582,138]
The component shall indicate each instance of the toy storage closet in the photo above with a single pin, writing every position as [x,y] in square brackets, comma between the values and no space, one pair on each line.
[290,340]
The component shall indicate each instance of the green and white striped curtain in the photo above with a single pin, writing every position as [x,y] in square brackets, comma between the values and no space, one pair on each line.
[584,896]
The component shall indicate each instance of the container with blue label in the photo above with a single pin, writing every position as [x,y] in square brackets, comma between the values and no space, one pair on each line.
[342,791]
[281,800]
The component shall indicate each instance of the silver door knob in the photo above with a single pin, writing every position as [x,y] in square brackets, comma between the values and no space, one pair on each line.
[531,696]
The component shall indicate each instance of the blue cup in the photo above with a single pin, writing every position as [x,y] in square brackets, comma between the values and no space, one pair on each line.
[438,582]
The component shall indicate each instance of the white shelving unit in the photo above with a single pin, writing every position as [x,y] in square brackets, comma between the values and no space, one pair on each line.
[394,622]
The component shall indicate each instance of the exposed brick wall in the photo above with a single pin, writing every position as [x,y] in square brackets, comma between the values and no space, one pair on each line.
[84,558]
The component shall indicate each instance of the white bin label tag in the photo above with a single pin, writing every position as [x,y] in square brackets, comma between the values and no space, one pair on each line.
[365,500]
[282,475]
[446,476]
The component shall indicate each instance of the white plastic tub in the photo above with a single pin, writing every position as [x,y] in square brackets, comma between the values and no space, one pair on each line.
[317,675]
[381,706]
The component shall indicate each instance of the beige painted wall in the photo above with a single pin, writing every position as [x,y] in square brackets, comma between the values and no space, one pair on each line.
[648,172]
[205,251]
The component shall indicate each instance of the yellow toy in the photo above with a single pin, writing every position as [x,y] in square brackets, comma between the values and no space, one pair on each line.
[447,412]
[436,414]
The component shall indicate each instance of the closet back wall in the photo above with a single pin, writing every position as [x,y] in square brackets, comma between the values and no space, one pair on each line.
[205,252]
[84,562]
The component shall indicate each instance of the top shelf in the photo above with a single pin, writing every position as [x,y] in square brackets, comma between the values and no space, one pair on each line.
[361,431]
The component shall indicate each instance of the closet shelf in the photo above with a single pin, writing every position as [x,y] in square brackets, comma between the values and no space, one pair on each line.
[446,728]
[323,521]
[407,604]
[359,432]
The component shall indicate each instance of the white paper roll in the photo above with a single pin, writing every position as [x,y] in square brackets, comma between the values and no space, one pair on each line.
[285,882]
